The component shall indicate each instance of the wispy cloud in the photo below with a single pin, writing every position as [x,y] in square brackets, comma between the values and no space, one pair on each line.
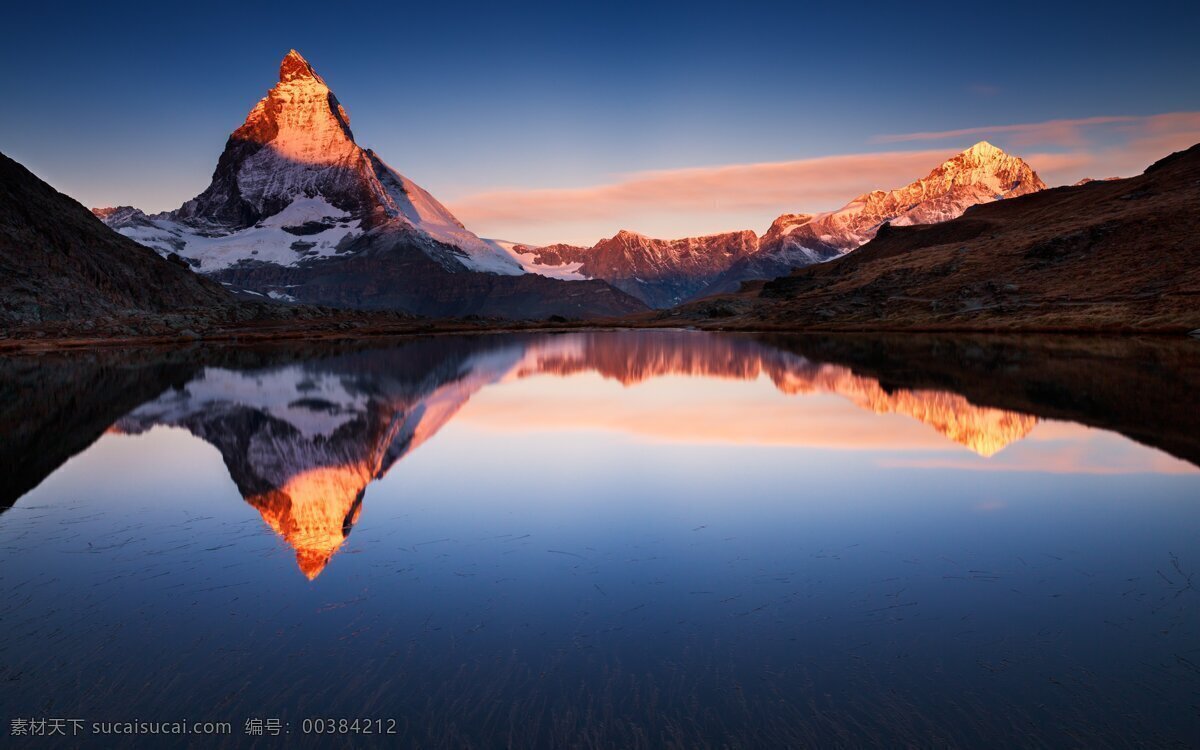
[734,191]
[1069,133]
[1049,132]
[703,200]
[1121,148]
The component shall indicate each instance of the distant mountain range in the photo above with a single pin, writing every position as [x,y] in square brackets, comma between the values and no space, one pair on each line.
[664,273]
[661,273]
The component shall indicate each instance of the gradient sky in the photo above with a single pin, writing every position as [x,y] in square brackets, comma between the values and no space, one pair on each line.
[544,123]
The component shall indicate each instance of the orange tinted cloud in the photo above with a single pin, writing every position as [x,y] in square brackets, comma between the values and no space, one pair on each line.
[705,200]
[1049,132]
[694,196]
[1110,146]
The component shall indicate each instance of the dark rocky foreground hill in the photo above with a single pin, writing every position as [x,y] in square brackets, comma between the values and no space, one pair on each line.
[58,262]
[1120,255]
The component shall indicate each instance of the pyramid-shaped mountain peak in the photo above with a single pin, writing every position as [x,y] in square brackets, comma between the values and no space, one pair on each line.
[294,67]
[983,148]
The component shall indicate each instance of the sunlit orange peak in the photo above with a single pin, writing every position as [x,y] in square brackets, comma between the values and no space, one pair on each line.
[315,511]
[984,430]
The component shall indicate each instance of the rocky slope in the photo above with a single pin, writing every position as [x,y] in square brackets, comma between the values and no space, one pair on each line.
[298,211]
[1105,255]
[59,263]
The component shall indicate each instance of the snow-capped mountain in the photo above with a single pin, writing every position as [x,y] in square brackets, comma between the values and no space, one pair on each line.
[981,174]
[294,200]
[661,273]
[665,272]
[293,184]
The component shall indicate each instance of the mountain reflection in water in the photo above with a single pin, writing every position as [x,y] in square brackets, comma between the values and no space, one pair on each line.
[303,440]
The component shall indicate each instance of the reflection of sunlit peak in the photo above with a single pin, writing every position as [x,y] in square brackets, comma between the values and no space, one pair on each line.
[983,429]
[795,383]
[315,511]
[312,564]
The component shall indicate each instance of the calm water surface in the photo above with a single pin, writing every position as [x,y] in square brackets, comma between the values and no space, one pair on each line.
[611,539]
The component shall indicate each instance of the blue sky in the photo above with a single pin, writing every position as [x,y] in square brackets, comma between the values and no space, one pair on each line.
[131,103]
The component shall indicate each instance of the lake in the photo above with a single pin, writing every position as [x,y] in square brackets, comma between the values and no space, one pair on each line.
[611,538]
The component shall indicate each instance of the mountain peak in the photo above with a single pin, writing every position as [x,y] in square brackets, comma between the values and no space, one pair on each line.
[294,67]
[983,149]
[294,161]
[984,164]
[981,174]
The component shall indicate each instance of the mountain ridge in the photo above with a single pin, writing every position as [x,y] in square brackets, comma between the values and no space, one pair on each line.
[652,269]
[977,175]
[661,273]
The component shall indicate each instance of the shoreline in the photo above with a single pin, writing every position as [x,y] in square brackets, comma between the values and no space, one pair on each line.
[343,331]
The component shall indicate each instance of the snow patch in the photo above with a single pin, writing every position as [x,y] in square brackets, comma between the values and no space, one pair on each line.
[268,241]
[527,262]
